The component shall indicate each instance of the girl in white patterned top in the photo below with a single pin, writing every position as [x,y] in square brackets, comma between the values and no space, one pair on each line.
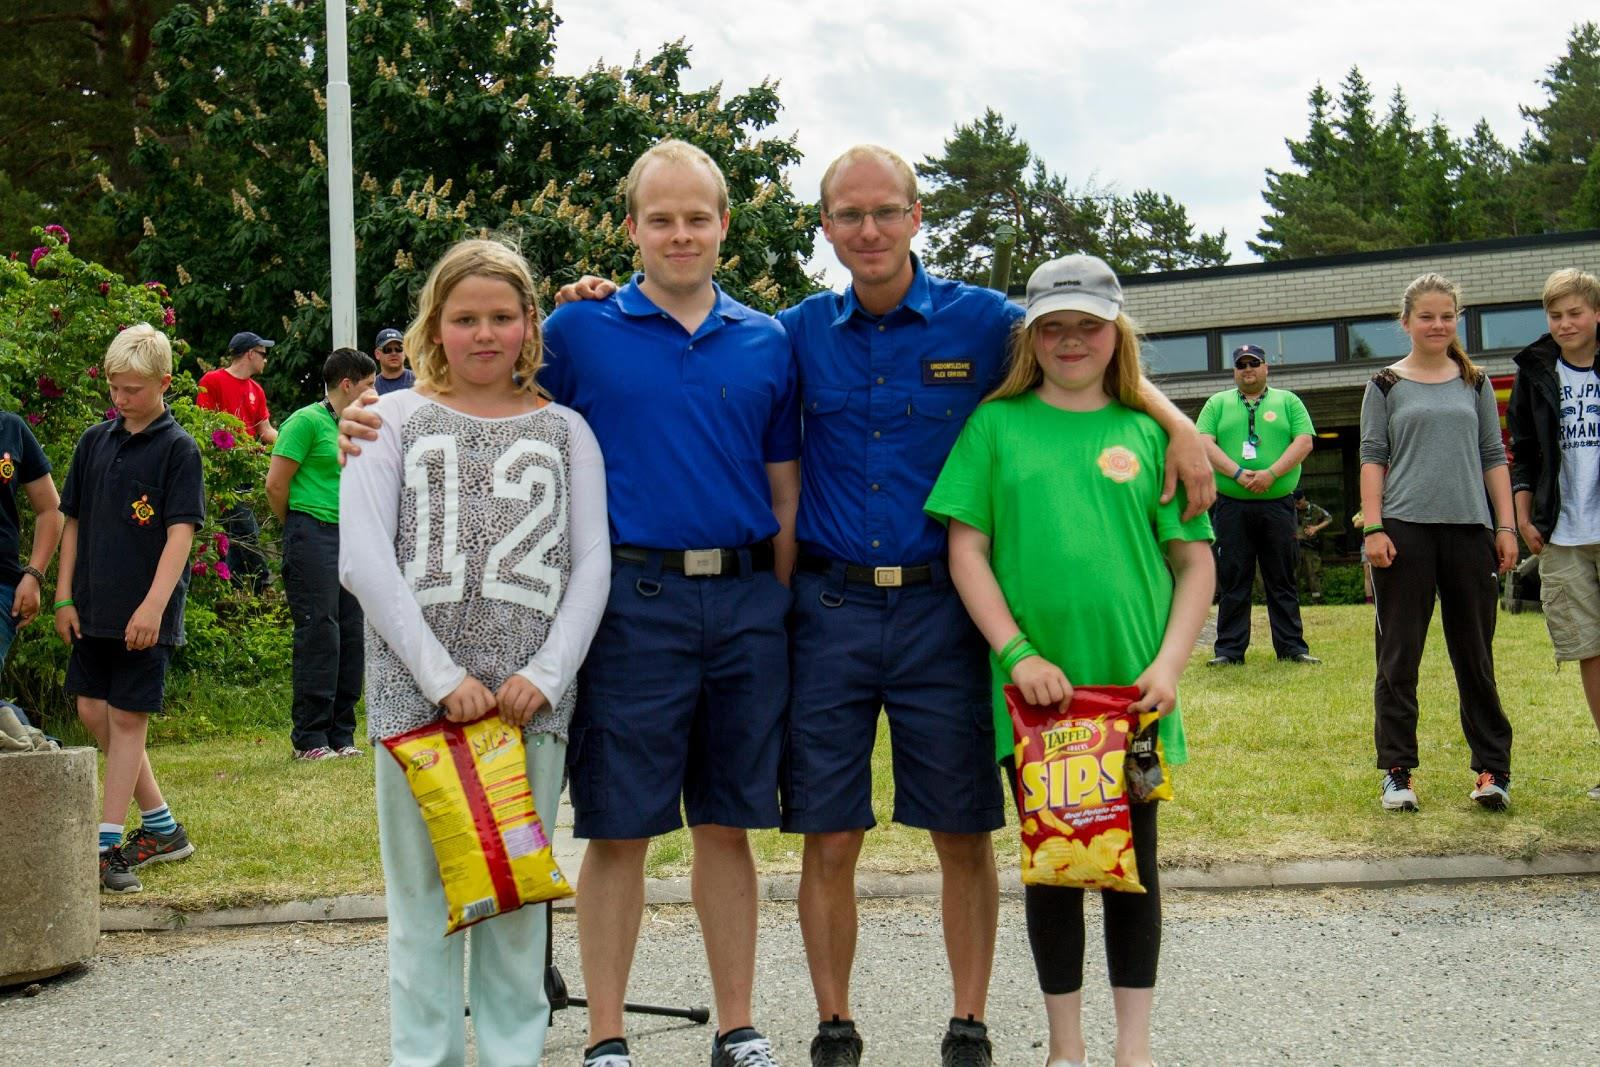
[493,499]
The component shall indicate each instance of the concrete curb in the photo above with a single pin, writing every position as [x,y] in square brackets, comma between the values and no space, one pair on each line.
[1305,874]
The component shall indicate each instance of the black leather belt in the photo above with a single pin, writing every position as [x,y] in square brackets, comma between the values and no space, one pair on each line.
[698,562]
[882,577]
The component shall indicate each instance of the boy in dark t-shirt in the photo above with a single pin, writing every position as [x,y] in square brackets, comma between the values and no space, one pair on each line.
[23,463]
[133,499]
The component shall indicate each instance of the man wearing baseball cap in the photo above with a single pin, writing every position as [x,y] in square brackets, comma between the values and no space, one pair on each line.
[390,352]
[1256,438]
[233,389]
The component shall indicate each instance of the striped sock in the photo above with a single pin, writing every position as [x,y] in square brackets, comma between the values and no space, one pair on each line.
[110,834]
[159,821]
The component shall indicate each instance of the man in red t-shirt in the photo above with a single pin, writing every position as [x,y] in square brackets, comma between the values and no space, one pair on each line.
[233,389]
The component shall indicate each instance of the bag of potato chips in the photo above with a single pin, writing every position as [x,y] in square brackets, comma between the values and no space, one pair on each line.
[1075,771]
[471,783]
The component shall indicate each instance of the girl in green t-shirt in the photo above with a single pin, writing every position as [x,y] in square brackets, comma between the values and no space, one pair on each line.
[1067,560]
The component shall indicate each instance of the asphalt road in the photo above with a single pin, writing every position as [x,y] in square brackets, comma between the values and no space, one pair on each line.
[1486,972]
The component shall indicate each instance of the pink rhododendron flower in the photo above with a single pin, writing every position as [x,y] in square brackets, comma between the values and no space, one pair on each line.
[49,389]
[223,439]
[93,372]
[201,569]
[222,544]
[59,233]
[168,316]
[112,413]
[105,288]
[38,254]
[34,420]
[224,572]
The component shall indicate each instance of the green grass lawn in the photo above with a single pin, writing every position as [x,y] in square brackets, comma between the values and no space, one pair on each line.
[1281,768]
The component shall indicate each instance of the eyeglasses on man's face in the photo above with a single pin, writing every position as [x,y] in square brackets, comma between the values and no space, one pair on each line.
[849,218]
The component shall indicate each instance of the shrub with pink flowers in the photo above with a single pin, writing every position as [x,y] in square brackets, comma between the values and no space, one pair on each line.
[60,313]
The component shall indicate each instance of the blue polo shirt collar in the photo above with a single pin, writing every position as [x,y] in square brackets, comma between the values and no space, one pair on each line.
[918,298]
[632,301]
[158,424]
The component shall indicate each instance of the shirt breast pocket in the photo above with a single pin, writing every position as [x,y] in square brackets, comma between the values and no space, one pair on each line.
[144,507]
[934,417]
[822,401]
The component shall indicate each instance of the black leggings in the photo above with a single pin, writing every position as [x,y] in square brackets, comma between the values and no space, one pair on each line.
[1132,920]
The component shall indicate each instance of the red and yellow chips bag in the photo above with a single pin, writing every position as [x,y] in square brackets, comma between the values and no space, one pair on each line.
[471,783]
[1071,787]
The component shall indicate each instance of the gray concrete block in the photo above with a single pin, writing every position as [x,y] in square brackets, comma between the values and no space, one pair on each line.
[49,895]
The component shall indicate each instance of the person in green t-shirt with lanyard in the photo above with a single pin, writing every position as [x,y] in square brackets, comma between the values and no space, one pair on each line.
[1256,438]
[303,490]
[1076,574]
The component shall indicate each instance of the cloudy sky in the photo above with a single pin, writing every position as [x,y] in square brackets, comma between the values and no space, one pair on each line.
[1192,99]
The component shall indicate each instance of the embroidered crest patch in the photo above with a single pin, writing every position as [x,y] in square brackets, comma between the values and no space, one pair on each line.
[142,511]
[8,467]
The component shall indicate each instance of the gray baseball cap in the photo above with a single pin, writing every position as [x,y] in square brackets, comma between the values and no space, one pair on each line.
[390,334]
[1074,283]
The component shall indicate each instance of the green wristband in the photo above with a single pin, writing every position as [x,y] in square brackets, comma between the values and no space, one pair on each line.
[1376,527]
[1016,656]
[1011,645]
[67,603]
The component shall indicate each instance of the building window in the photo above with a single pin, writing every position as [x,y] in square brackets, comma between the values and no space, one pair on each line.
[1176,355]
[1510,328]
[1387,339]
[1284,344]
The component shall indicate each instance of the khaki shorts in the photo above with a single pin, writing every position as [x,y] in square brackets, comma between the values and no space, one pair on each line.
[1569,589]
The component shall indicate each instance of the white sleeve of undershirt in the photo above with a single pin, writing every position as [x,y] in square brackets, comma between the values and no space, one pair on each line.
[556,664]
[369,508]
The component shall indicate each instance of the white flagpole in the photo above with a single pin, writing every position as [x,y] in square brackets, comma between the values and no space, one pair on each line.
[341,204]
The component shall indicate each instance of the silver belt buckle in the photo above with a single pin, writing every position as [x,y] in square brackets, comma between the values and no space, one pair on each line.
[702,562]
[886,577]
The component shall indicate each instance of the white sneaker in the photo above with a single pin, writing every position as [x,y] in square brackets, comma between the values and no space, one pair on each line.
[1492,791]
[1397,792]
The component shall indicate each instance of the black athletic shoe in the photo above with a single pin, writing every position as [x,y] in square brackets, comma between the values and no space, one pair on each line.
[836,1045]
[115,877]
[966,1044]
[744,1047]
[144,846]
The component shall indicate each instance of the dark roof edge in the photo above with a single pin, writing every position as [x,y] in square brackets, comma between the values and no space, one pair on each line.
[1492,244]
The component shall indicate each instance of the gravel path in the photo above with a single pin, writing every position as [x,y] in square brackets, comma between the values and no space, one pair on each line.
[1492,972]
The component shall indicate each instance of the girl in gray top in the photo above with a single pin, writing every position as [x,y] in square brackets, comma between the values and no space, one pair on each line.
[1430,446]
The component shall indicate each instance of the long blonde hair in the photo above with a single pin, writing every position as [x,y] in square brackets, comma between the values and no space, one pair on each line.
[1438,283]
[468,259]
[1123,379]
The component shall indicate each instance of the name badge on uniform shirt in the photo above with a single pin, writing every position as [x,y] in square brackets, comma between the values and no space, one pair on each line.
[1248,451]
[947,371]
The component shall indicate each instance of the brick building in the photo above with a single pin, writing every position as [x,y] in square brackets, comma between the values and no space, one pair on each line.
[1328,325]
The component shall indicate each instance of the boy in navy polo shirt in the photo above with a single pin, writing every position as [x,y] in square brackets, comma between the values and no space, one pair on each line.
[23,462]
[134,497]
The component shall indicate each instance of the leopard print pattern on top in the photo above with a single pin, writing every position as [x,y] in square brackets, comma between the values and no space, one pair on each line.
[483,539]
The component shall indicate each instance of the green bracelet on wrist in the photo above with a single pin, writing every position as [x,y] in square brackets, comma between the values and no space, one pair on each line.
[1010,646]
[67,603]
[1022,651]
[1371,528]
